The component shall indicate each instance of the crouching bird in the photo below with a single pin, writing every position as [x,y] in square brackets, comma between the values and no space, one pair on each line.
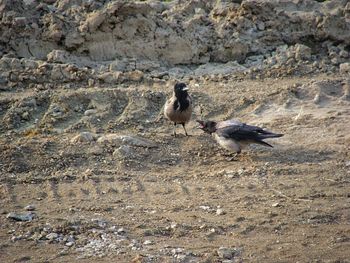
[233,135]
[178,108]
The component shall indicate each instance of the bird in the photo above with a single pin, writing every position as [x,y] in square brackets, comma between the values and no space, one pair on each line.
[178,108]
[234,135]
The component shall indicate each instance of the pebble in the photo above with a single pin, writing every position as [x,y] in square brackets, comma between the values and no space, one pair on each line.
[220,211]
[52,236]
[90,112]
[148,242]
[30,208]
[276,204]
[83,137]
[29,216]
[344,67]
[227,253]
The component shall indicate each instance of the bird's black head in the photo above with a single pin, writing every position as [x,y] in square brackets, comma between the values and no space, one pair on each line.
[207,126]
[180,90]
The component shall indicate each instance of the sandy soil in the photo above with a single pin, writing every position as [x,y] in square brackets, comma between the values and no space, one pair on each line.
[177,199]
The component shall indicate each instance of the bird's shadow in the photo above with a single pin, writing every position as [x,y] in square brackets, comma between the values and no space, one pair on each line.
[292,155]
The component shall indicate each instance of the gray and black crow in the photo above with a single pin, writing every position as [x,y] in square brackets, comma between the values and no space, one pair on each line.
[234,135]
[178,108]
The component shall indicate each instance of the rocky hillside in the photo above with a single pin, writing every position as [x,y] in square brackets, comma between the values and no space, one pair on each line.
[153,36]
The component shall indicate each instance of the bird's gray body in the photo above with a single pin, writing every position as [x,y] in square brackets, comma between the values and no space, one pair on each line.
[178,108]
[233,135]
[174,114]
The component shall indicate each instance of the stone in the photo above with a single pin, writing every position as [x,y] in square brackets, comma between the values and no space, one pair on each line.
[302,52]
[227,253]
[30,208]
[84,137]
[344,67]
[73,40]
[124,151]
[90,112]
[148,242]
[29,216]
[220,211]
[52,236]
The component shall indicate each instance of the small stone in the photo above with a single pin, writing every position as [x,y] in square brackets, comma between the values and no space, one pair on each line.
[69,244]
[220,211]
[25,115]
[226,253]
[148,242]
[30,208]
[121,231]
[83,137]
[276,204]
[261,26]
[90,112]
[52,236]
[344,54]
[344,67]
[29,216]
[124,151]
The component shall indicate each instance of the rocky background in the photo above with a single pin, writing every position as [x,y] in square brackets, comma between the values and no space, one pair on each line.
[89,170]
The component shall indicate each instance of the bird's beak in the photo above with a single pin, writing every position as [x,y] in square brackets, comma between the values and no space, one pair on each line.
[185,88]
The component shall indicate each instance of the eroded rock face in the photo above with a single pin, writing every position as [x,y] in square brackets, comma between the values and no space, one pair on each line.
[171,33]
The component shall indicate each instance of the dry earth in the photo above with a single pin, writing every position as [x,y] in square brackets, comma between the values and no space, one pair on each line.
[89,170]
[286,204]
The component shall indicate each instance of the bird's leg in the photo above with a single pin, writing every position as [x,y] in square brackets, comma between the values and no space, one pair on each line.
[183,125]
[174,133]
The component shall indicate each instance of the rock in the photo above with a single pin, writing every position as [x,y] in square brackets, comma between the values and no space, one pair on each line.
[276,204]
[344,67]
[148,242]
[73,40]
[220,211]
[135,76]
[111,77]
[302,52]
[90,112]
[29,216]
[227,253]
[84,137]
[118,65]
[30,208]
[124,151]
[344,54]
[52,236]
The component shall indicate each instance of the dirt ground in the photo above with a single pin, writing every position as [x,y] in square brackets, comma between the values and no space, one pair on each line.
[178,199]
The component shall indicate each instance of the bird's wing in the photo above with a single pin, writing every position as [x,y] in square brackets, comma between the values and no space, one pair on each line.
[238,133]
[246,127]
[223,124]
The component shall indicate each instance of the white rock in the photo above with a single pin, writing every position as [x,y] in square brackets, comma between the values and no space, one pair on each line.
[220,211]
[84,137]
[344,67]
[90,112]
[148,242]
[52,236]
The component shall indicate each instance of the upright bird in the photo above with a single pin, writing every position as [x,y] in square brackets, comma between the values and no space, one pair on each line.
[234,135]
[178,108]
